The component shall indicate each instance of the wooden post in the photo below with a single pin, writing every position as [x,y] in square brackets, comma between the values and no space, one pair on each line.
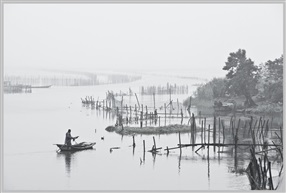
[137,101]
[146,112]
[193,129]
[259,124]
[219,131]
[270,176]
[165,109]
[154,101]
[134,141]
[121,103]
[223,133]
[202,131]
[165,112]
[209,137]
[159,121]
[250,126]
[180,142]
[141,119]
[135,111]
[214,132]
[178,107]
[235,146]
[143,150]
[205,127]
[182,116]
[154,142]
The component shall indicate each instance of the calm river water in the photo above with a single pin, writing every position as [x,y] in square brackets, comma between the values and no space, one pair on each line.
[34,122]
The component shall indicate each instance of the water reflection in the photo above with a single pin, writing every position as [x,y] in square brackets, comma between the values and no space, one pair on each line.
[69,158]
[179,163]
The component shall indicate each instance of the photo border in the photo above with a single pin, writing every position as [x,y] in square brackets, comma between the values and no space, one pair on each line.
[3,2]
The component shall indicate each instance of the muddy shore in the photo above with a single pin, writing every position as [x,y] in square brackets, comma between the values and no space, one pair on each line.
[127,130]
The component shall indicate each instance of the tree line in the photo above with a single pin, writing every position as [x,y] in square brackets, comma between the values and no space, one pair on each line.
[244,78]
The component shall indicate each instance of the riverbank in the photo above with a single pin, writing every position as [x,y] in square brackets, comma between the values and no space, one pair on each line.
[127,130]
[263,107]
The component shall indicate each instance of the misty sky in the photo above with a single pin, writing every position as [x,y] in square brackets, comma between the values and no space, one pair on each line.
[196,38]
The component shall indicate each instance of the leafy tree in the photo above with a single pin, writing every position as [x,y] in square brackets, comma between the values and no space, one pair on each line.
[242,75]
[213,89]
[219,87]
[273,80]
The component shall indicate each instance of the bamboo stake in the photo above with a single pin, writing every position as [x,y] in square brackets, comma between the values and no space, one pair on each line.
[205,127]
[154,142]
[223,131]
[137,101]
[219,130]
[180,142]
[270,178]
[154,100]
[134,141]
[202,130]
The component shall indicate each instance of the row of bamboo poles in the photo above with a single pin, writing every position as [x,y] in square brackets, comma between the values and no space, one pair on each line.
[258,170]
[254,134]
[161,90]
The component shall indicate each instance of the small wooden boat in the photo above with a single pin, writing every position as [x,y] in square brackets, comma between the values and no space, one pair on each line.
[76,147]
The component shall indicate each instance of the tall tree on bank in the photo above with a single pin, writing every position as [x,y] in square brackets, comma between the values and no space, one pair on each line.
[242,75]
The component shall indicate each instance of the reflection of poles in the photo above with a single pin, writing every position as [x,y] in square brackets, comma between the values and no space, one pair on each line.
[144,150]
[208,165]
[154,158]
[179,164]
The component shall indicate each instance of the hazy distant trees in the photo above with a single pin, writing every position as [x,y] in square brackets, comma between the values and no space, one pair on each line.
[242,75]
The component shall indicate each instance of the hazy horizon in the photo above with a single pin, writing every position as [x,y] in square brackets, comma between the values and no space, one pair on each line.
[193,38]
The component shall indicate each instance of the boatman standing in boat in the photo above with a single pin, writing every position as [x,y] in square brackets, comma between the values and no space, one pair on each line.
[69,138]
